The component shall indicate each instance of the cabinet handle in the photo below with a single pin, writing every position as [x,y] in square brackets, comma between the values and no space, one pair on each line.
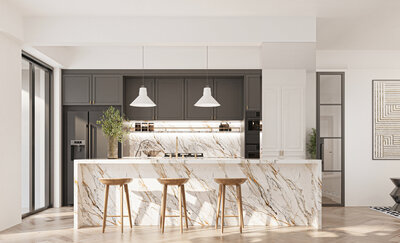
[247,107]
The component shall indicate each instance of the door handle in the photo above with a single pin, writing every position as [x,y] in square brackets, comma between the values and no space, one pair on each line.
[90,141]
[321,149]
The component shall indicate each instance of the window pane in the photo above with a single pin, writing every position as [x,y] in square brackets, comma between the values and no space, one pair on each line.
[40,135]
[331,187]
[330,89]
[332,154]
[25,138]
[330,121]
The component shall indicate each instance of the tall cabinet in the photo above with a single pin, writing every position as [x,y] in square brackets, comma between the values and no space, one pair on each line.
[284,133]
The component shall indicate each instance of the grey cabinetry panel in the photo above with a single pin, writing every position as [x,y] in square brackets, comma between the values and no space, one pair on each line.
[77,89]
[229,93]
[170,98]
[131,90]
[253,92]
[98,141]
[107,90]
[194,90]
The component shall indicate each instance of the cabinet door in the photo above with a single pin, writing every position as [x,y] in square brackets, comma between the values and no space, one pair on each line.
[107,90]
[293,121]
[170,98]
[271,139]
[98,141]
[76,89]
[229,93]
[194,91]
[253,92]
[131,90]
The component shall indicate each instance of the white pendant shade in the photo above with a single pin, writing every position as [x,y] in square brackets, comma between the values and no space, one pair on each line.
[207,100]
[143,100]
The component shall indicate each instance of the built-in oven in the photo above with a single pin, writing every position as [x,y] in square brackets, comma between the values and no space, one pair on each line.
[252,134]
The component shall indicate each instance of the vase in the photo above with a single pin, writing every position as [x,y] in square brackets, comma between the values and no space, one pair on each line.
[112,152]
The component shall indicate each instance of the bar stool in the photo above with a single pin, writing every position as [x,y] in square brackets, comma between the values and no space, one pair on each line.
[221,196]
[123,184]
[182,200]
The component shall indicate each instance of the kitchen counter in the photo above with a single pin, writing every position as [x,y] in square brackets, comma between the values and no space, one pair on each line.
[277,192]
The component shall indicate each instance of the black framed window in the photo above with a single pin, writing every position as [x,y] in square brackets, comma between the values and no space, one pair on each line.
[35,135]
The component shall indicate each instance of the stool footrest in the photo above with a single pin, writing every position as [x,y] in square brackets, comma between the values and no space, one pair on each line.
[171,216]
[219,216]
[111,216]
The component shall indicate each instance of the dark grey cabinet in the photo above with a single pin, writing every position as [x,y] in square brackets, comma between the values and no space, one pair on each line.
[253,92]
[229,93]
[193,91]
[107,90]
[170,98]
[131,91]
[89,89]
[77,89]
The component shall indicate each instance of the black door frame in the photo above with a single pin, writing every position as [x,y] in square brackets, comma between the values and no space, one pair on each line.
[48,134]
[319,140]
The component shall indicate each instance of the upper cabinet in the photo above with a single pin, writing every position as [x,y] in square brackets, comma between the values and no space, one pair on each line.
[193,92]
[229,93]
[77,89]
[170,98]
[107,90]
[253,92]
[92,89]
[131,91]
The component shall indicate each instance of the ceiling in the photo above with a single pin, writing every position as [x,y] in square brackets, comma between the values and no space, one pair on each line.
[341,24]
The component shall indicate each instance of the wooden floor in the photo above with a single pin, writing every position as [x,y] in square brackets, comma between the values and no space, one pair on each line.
[339,225]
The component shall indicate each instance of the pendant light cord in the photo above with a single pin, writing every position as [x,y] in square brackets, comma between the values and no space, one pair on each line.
[142,66]
[207,83]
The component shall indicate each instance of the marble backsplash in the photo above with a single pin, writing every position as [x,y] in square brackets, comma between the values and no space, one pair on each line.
[211,144]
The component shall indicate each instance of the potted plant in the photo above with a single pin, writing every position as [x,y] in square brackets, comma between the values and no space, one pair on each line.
[112,124]
[312,144]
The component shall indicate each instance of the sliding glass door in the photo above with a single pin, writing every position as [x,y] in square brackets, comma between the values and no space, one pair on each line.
[330,136]
[35,136]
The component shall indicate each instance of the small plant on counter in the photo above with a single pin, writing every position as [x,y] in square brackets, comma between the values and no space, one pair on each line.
[312,144]
[112,124]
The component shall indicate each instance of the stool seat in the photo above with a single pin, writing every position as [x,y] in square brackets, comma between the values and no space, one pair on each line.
[172,181]
[115,181]
[230,181]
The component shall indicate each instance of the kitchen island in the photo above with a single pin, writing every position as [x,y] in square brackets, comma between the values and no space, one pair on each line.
[277,192]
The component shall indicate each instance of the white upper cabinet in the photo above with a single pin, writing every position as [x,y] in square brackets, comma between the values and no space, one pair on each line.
[283,105]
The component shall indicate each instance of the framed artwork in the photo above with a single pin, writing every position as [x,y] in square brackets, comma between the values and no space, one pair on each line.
[386,119]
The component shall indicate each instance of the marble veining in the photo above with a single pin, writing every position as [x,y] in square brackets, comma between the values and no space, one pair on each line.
[216,144]
[275,194]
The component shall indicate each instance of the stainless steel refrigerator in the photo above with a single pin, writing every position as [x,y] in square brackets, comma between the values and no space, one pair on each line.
[83,139]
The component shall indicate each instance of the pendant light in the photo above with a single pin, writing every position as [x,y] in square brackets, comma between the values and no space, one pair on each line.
[143,100]
[207,100]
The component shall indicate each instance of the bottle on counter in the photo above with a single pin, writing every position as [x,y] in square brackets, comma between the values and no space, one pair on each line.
[151,127]
[137,127]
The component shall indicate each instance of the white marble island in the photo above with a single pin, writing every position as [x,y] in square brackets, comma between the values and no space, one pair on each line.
[278,192]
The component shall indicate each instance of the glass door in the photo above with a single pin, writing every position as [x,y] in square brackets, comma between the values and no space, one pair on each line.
[35,136]
[330,134]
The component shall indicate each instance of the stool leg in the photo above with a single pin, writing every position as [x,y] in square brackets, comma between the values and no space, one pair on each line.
[223,209]
[239,188]
[238,206]
[105,207]
[161,208]
[122,208]
[184,205]
[164,202]
[218,205]
[128,204]
[180,207]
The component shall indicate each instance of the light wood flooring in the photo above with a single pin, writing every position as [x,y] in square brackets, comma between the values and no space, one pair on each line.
[351,224]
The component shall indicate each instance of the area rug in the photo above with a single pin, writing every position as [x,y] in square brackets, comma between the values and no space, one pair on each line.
[387,210]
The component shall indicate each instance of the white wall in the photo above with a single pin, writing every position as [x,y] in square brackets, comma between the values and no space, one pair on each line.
[367,181]
[10,131]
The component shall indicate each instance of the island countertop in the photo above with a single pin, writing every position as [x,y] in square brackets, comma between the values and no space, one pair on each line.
[283,192]
[150,160]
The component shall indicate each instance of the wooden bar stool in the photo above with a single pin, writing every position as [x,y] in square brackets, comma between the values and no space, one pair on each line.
[182,200]
[221,196]
[123,184]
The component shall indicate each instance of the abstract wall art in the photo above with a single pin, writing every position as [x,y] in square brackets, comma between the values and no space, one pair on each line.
[386,119]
